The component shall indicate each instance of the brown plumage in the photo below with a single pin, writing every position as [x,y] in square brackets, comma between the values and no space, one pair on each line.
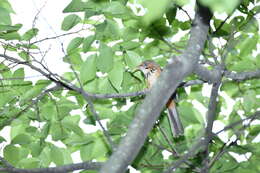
[152,71]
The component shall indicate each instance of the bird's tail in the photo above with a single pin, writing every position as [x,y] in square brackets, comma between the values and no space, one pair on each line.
[174,119]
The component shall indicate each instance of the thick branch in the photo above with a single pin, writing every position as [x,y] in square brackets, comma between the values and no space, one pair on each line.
[154,102]
[60,169]
[211,76]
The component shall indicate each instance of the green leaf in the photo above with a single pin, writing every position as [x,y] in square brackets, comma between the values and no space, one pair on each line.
[66,156]
[248,44]
[70,21]
[19,74]
[12,154]
[2,139]
[29,163]
[69,124]
[30,34]
[129,45]
[132,59]
[105,60]
[105,86]
[115,76]
[88,69]
[24,55]
[74,43]
[254,130]
[76,140]
[87,43]
[187,114]
[57,156]
[21,139]
[155,10]
[130,33]
[249,100]
[112,29]
[171,14]
[6,5]
[74,58]
[96,150]
[10,36]
[244,65]
[17,129]
[5,16]
[221,5]
[39,86]
[230,88]
[115,8]
[57,131]
[74,6]
[10,27]
[49,111]
[36,149]
[45,156]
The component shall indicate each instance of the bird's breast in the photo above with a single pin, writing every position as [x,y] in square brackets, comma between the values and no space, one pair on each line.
[152,79]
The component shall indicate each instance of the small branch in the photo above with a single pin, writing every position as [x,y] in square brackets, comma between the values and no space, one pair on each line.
[231,126]
[243,75]
[57,36]
[173,151]
[221,24]
[211,116]
[222,150]
[186,12]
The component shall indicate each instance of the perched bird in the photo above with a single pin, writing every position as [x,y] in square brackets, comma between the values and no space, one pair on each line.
[152,71]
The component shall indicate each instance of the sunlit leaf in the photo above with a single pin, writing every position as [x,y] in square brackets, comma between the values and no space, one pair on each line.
[74,43]
[132,59]
[30,34]
[87,43]
[57,156]
[88,69]
[70,21]
[155,10]
[4,16]
[21,139]
[116,75]
[74,6]
[105,60]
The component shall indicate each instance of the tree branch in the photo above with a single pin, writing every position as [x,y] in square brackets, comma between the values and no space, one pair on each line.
[243,75]
[154,102]
[211,116]
[60,169]
[210,76]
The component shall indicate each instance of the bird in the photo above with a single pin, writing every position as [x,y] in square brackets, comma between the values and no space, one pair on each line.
[151,71]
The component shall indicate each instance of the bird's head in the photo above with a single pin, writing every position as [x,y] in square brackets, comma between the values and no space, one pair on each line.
[149,68]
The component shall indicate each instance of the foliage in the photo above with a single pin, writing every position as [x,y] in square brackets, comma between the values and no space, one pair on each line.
[125,38]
